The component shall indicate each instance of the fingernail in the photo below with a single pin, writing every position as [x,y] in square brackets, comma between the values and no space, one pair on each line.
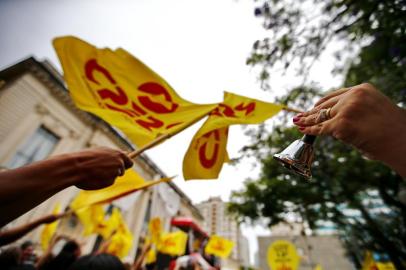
[297,117]
[301,128]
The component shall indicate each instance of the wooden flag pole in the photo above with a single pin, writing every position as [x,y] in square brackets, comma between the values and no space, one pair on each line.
[164,137]
[291,110]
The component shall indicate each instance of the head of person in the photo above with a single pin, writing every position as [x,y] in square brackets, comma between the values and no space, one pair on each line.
[10,257]
[69,253]
[27,253]
[101,261]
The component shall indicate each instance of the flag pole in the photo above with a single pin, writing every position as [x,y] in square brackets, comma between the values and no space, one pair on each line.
[164,137]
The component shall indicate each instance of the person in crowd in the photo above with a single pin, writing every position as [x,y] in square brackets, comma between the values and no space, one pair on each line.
[101,261]
[10,258]
[28,256]
[23,188]
[11,235]
[69,253]
[363,117]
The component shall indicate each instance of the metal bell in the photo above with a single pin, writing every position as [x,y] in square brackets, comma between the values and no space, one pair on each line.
[298,156]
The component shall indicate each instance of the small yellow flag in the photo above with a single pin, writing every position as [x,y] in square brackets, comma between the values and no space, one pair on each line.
[124,92]
[151,254]
[282,255]
[92,219]
[50,229]
[155,229]
[173,243]
[122,240]
[219,246]
[207,151]
[124,185]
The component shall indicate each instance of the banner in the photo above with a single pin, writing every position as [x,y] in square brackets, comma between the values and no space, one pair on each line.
[219,246]
[173,243]
[207,151]
[50,229]
[124,185]
[123,91]
[282,255]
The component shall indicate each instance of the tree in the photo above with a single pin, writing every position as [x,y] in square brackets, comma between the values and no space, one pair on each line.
[374,34]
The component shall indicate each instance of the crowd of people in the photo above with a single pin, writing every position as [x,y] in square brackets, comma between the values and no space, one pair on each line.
[360,116]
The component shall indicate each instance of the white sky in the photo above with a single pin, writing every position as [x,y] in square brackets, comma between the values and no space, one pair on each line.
[199,47]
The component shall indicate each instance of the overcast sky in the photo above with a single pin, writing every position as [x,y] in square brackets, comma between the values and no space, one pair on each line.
[199,47]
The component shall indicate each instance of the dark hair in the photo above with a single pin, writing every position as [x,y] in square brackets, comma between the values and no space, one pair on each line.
[9,257]
[102,261]
[26,244]
[65,258]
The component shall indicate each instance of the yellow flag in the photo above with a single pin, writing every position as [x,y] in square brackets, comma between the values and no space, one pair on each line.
[151,254]
[219,246]
[155,229]
[173,243]
[92,219]
[207,151]
[124,185]
[122,240]
[50,229]
[282,255]
[110,225]
[123,91]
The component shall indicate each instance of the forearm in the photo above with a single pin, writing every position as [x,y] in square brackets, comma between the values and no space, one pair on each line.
[26,187]
[14,234]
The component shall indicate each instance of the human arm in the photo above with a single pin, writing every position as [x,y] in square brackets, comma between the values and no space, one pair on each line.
[364,118]
[16,233]
[24,188]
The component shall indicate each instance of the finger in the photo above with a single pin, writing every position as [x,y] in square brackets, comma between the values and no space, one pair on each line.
[122,168]
[128,163]
[325,128]
[325,105]
[331,95]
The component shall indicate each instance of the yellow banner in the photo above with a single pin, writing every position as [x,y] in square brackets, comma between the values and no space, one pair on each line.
[282,255]
[124,185]
[122,239]
[155,229]
[50,229]
[173,243]
[124,92]
[219,246]
[207,151]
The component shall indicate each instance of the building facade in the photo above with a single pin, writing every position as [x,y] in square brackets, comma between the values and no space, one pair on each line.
[218,222]
[38,119]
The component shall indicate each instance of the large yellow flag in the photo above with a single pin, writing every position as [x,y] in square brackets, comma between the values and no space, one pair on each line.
[282,255]
[173,243]
[50,229]
[122,239]
[219,246]
[124,185]
[207,151]
[123,91]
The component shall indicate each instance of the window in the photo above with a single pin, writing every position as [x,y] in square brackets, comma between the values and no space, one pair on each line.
[37,147]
